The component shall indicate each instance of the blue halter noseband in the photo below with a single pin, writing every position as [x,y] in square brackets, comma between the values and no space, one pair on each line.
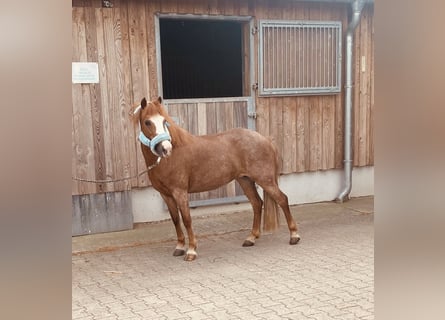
[157,139]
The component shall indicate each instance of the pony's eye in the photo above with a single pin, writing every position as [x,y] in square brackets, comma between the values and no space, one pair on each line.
[147,123]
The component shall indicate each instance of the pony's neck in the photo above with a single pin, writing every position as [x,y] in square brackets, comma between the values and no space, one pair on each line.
[180,136]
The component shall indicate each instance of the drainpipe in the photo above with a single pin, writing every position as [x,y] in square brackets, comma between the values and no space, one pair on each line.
[357,7]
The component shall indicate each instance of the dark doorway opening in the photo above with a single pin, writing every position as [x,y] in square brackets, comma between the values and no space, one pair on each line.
[201,58]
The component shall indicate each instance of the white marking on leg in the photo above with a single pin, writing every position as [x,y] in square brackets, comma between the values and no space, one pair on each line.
[191,252]
[251,238]
[180,246]
[294,234]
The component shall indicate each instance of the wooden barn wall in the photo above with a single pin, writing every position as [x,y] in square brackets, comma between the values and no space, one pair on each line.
[308,130]
[364,90]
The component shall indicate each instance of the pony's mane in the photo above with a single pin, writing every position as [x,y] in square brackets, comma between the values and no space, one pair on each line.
[179,136]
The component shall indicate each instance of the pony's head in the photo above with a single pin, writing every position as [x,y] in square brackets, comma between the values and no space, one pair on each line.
[154,127]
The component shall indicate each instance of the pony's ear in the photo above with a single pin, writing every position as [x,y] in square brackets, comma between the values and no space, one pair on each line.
[143,103]
[160,99]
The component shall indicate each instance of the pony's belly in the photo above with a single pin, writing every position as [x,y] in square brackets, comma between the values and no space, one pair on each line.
[201,185]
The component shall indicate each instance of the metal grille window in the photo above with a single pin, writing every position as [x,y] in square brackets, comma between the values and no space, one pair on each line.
[299,57]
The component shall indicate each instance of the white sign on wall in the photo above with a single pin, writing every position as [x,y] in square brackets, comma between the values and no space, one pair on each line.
[85,72]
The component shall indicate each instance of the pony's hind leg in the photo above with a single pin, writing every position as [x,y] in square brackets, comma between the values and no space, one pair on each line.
[248,186]
[274,191]
[174,214]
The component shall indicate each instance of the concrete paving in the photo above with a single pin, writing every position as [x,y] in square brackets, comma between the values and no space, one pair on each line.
[328,275]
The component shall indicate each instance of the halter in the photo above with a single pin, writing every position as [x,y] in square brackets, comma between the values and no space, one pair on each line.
[157,139]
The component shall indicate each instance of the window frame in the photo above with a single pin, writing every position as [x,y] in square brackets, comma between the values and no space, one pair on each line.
[247,73]
[300,25]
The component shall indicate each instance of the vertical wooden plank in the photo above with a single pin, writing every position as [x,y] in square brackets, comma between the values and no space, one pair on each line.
[212,7]
[364,91]
[315,134]
[202,119]
[200,7]
[137,24]
[276,125]
[328,112]
[152,7]
[356,96]
[289,135]
[368,39]
[184,7]
[121,47]
[262,121]
[340,12]
[113,95]
[182,115]
[83,149]
[240,114]
[339,119]
[77,30]
[113,51]
[243,7]
[300,134]
[125,100]
[96,103]
[106,117]
[220,7]
[75,185]
[170,6]
[230,8]
[307,132]
[192,118]
[229,115]
[371,90]
[328,133]
[229,124]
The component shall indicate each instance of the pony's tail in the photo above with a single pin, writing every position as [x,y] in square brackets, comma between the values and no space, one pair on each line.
[271,219]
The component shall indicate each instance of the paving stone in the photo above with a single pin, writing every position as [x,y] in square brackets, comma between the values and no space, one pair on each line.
[328,275]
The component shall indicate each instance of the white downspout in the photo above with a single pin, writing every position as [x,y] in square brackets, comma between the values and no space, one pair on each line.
[357,7]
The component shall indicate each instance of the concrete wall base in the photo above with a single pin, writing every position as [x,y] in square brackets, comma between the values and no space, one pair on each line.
[307,187]
[103,212]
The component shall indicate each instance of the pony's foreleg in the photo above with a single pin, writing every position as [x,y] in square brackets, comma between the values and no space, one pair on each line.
[183,204]
[274,191]
[174,214]
[248,186]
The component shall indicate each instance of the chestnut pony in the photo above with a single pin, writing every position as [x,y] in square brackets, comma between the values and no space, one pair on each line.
[201,163]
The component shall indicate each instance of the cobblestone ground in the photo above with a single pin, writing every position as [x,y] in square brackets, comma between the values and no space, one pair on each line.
[328,275]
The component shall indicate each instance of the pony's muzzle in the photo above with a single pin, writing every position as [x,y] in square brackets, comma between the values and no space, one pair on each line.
[164,149]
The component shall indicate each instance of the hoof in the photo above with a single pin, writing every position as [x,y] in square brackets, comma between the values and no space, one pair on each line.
[178,252]
[294,240]
[190,257]
[248,243]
